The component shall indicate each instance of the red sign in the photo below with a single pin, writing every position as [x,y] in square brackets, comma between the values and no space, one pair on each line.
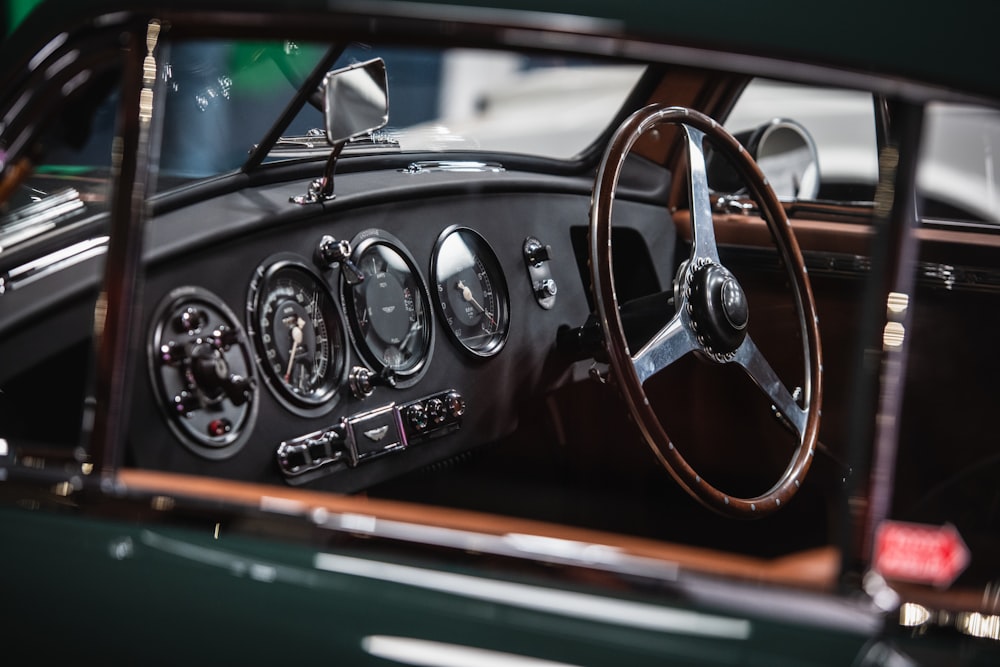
[919,553]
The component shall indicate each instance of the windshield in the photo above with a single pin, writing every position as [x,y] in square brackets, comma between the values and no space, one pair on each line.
[459,99]
[223,97]
[220,98]
[439,100]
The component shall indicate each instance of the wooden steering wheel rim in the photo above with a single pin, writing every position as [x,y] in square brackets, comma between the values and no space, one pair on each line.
[622,364]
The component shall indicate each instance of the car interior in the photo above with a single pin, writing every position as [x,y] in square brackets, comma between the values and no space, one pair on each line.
[386,285]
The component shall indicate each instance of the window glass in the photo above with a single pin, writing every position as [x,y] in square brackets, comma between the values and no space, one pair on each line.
[223,97]
[72,176]
[946,468]
[45,369]
[957,176]
[461,99]
[840,122]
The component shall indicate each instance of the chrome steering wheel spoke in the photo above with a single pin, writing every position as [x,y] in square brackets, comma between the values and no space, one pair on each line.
[670,344]
[702,228]
[786,409]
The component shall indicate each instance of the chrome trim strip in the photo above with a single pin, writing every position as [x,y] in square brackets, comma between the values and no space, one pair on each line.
[425,653]
[38,217]
[551,550]
[466,166]
[545,600]
[570,604]
[37,269]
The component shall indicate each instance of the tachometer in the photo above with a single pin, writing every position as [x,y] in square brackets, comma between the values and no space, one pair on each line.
[471,291]
[298,333]
[389,307]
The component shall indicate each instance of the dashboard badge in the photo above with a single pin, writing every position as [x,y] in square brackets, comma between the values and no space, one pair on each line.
[377,434]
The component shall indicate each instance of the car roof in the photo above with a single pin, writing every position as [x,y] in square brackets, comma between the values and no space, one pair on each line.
[946,46]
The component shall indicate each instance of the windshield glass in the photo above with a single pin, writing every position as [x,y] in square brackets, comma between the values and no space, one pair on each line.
[222,97]
[459,99]
[218,99]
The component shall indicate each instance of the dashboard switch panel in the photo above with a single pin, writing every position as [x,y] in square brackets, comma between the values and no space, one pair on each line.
[359,438]
[432,415]
[311,452]
[536,258]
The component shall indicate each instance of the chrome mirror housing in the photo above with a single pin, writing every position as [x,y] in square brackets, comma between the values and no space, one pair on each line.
[356,100]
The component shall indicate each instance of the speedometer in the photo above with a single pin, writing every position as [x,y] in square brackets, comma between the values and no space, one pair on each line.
[471,291]
[389,308]
[298,333]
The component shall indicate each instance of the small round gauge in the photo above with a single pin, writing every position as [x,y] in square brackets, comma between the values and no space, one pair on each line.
[471,291]
[298,333]
[389,307]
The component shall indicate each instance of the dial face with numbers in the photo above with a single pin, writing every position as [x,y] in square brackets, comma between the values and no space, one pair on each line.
[471,291]
[298,333]
[389,309]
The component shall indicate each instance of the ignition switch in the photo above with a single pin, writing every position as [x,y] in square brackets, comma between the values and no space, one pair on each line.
[536,258]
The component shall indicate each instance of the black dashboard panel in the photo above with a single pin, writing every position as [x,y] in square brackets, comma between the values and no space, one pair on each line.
[336,435]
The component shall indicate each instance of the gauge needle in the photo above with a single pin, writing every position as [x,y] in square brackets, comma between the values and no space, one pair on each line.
[296,341]
[467,295]
[417,326]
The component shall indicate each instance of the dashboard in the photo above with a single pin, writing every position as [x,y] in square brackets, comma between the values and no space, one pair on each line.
[337,345]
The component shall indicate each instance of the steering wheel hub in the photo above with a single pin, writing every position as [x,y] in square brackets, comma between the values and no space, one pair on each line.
[718,308]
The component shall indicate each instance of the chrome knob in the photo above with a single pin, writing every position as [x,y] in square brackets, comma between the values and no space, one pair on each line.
[363,380]
[545,289]
[417,416]
[455,404]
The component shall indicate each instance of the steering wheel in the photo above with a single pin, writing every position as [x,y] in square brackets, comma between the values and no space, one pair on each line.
[712,312]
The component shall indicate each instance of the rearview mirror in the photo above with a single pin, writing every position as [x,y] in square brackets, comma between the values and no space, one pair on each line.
[357,100]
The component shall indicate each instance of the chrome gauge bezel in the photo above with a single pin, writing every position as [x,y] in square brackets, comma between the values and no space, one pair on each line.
[367,341]
[209,423]
[289,271]
[475,315]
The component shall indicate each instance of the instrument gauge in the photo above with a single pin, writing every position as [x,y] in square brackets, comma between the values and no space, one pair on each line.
[299,335]
[472,297]
[389,307]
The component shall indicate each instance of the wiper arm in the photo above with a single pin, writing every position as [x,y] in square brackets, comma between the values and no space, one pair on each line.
[302,96]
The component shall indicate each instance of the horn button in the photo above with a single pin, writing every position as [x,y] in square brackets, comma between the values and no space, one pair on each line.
[718,308]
